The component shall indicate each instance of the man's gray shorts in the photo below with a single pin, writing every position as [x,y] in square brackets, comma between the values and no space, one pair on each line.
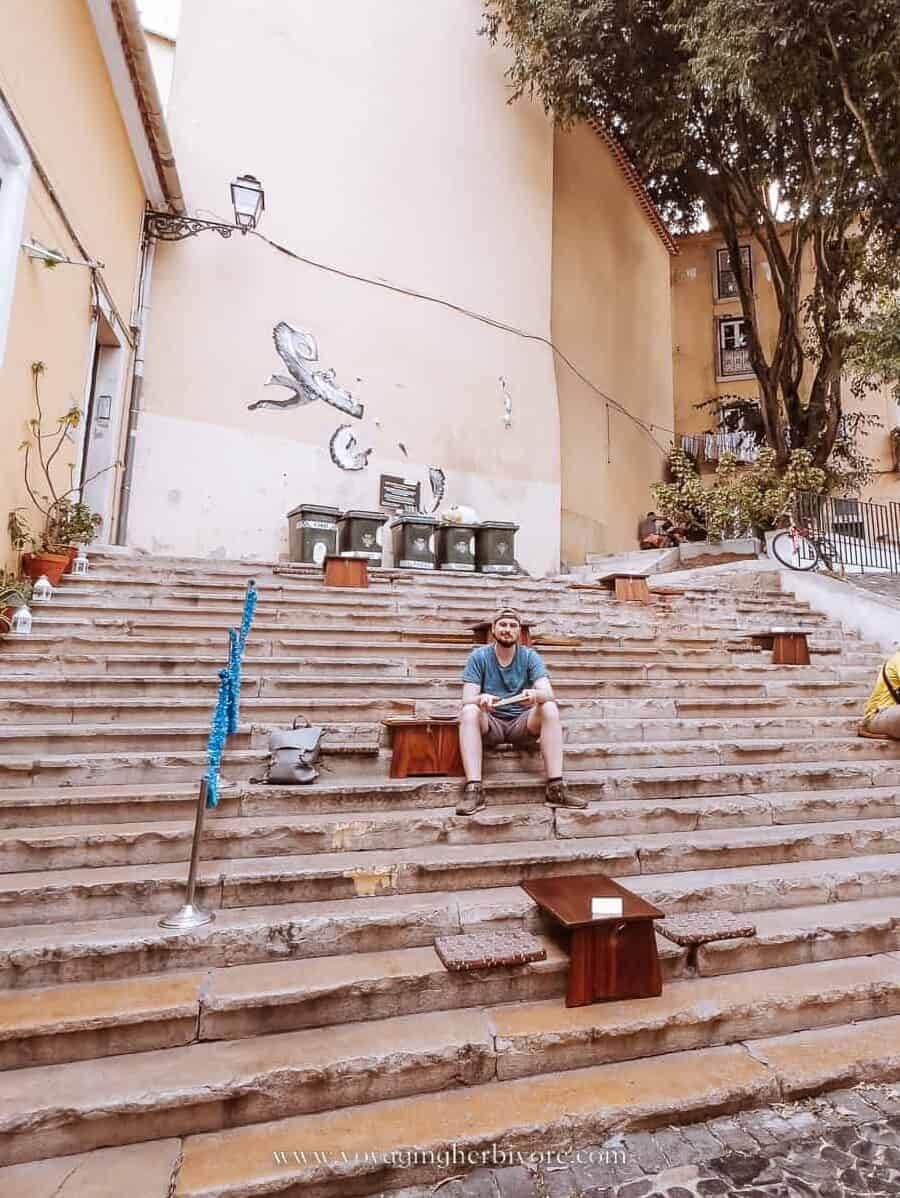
[513,732]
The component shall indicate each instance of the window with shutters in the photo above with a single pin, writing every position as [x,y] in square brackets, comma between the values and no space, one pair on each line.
[726,282]
[733,355]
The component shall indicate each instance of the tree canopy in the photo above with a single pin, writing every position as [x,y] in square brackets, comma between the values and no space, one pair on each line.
[779,120]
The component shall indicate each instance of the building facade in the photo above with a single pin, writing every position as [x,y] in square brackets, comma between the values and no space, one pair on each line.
[391,158]
[711,365]
[77,165]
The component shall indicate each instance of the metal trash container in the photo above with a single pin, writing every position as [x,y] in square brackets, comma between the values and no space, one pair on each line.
[495,547]
[361,534]
[312,532]
[456,547]
[413,540]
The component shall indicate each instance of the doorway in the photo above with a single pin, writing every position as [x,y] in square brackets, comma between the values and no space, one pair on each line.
[103,423]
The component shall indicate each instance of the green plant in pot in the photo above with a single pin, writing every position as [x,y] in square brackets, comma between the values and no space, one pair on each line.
[64,522]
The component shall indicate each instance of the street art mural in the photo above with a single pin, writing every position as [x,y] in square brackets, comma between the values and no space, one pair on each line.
[344,450]
[296,348]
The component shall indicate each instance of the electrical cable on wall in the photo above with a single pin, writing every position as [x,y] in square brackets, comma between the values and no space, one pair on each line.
[483,319]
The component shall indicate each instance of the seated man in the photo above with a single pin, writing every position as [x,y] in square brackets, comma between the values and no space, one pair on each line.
[882,716]
[656,533]
[500,671]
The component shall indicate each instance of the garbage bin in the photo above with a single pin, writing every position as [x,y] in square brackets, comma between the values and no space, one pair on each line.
[495,547]
[456,547]
[312,532]
[361,534]
[413,540]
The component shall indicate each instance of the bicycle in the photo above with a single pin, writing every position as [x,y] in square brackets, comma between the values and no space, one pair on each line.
[801,548]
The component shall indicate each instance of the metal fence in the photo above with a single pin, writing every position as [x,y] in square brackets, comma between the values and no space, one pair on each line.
[863,536]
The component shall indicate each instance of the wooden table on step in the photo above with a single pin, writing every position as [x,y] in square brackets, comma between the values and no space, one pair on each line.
[610,957]
[425,747]
[789,645]
[628,588]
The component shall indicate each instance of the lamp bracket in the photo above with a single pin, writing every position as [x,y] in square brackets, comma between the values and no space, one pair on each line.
[163,226]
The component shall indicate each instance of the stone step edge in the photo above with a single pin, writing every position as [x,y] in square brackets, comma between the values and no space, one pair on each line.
[353,874]
[377,1147]
[415,1054]
[573,749]
[53,954]
[94,839]
[212,1003]
[623,781]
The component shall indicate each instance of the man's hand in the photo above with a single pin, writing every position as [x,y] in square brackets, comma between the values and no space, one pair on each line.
[532,698]
[486,702]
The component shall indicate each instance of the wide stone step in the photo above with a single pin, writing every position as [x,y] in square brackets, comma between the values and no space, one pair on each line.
[797,935]
[65,709]
[51,1110]
[85,1020]
[665,754]
[173,757]
[27,803]
[112,948]
[53,896]
[751,684]
[126,841]
[389,1145]
[60,1024]
[166,735]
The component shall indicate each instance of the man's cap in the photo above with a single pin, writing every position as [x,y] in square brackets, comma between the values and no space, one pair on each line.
[506,613]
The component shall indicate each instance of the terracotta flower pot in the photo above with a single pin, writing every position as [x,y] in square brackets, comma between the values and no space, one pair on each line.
[51,564]
[73,553]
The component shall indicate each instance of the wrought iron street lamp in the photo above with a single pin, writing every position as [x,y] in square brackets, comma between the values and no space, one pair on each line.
[247,199]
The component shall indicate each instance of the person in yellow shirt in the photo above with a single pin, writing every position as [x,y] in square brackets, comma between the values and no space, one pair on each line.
[882,716]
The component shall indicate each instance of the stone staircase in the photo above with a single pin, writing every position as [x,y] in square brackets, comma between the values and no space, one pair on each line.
[309,1039]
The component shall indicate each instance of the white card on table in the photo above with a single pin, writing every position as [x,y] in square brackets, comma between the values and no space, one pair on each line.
[606,906]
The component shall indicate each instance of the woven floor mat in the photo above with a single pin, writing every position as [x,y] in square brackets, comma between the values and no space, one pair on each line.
[484,950]
[700,927]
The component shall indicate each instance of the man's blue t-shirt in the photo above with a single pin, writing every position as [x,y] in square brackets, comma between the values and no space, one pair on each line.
[521,674]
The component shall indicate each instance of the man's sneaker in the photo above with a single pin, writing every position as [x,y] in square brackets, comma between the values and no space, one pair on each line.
[558,796]
[472,799]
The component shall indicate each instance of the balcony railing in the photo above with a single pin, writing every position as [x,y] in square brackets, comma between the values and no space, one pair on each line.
[734,361]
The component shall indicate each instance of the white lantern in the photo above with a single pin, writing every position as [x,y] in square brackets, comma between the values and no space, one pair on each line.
[80,564]
[43,591]
[20,624]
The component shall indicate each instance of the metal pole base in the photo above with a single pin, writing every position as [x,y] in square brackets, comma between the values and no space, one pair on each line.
[188,917]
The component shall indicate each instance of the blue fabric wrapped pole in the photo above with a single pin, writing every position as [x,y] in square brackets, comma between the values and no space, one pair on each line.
[226,716]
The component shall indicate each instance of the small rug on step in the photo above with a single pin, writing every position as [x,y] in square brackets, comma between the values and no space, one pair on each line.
[700,927]
[484,950]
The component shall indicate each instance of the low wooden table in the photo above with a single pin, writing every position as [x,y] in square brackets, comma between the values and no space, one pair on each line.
[628,588]
[346,572]
[425,747]
[789,645]
[610,956]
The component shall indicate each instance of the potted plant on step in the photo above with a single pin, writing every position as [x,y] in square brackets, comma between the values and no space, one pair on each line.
[65,522]
[15,592]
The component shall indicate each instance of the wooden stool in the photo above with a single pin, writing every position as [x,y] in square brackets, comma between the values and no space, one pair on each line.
[609,956]
[628,588]
[482,632]
[789,646]
[346,572]
[425,747]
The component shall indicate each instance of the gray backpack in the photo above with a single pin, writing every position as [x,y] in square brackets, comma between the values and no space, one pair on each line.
[293,753]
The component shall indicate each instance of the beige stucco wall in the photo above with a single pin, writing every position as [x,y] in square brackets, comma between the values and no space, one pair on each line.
[386,147]
[53,74]
[611,317]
